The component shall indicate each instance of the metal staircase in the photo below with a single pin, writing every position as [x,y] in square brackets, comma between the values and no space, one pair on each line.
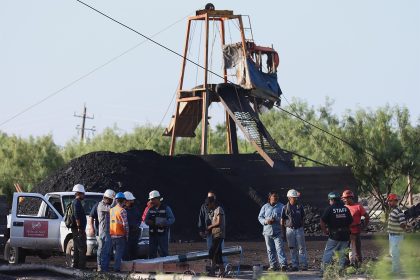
[237,105]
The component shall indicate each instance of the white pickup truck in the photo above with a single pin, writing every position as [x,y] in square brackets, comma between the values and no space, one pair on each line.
[36,227]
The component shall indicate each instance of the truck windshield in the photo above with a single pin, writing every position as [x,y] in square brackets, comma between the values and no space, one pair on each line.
[88,202]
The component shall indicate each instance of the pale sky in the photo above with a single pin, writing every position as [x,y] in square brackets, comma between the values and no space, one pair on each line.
[359,53]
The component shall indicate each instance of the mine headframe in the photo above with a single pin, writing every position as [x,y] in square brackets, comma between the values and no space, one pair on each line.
[255,88]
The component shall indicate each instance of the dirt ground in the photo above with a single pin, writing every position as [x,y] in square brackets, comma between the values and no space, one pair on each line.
[254,253]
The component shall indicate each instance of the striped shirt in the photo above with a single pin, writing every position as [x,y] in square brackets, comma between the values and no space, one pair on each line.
[396,218]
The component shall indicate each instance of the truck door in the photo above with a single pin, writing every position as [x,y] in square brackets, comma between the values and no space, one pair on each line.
[35,224]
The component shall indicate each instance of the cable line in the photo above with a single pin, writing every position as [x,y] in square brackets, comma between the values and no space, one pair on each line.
[87,74]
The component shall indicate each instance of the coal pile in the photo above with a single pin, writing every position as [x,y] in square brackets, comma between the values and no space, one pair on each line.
[312,220]
[182,180]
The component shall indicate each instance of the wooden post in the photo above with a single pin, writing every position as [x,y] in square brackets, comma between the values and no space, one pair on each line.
[409,191]
[205,92]
[181,82]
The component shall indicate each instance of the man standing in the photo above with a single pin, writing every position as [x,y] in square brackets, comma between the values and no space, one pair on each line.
[356,211]
[104,235]
[292,221]
[217,228]
[133,217]
[118,229]
[78,230]
[335,223]
[204,220]
[269,217]
[159,218]
[396,227]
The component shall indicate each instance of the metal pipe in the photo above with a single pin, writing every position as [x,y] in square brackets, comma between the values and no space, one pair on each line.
[191,256]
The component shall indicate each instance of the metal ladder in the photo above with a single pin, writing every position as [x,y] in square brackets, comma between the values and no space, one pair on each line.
[249,36]
[238,107]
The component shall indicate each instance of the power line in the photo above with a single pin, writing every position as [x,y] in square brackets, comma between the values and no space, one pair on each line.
[87,74]
[354,147]
[172,51]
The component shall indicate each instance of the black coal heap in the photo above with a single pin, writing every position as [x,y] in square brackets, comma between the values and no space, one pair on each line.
[183,181]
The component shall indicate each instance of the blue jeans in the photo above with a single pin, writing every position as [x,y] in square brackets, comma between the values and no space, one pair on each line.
[104,251]
[159,243]
[297,246]
[394,251]
[119,246]
[275,250]
[334,246]
[209,240]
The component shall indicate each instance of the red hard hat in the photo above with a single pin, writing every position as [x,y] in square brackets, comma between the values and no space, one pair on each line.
[347,193]
[392,196]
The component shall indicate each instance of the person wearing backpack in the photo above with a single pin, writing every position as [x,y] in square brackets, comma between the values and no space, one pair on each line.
[78,228]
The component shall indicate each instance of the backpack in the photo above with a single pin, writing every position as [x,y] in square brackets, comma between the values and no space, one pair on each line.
[68,216]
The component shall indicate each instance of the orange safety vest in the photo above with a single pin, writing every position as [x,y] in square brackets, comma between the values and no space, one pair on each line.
[116,226]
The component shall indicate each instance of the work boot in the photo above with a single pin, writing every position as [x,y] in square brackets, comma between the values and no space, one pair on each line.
[283,268]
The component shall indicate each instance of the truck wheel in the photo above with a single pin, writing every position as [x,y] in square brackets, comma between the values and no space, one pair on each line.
[13,255]
[70,253]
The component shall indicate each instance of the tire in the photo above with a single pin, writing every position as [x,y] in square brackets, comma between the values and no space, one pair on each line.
[70,253]
[14,255]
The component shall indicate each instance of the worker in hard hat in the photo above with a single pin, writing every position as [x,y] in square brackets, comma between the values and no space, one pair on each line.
[78,228]
[104,235]
[335,222]
[357,211]
[133,217]
[159,219]
[292,221]
[396,227]
[269,217]
[119,229]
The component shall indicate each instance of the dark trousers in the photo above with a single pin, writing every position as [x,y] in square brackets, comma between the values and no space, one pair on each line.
[158,243]
[132,243]
[215,252]
[80,248]
[356,249]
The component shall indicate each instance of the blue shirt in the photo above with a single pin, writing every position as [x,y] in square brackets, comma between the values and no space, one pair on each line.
[79,213]
[269,211]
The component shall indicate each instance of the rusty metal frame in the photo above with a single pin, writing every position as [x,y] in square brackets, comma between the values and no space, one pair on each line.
[206,94]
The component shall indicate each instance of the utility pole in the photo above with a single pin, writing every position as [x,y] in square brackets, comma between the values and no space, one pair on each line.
[83,128]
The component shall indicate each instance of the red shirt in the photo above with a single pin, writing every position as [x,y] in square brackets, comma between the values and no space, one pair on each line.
[357,211]
[143,217]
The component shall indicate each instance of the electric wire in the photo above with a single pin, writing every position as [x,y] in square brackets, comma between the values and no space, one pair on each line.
[87,74]
[200,66]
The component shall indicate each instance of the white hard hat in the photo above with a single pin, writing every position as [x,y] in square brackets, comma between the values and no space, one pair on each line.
[154,194]
[109,194]
[293,193]
[79,188]
[129,196]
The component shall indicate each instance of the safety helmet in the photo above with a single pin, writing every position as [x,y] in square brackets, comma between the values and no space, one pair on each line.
[347,193]
[154,194]
[129,196]
[392,196]
[293,193]
[333,195]
[120,195]
[79,188]
[109,193]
